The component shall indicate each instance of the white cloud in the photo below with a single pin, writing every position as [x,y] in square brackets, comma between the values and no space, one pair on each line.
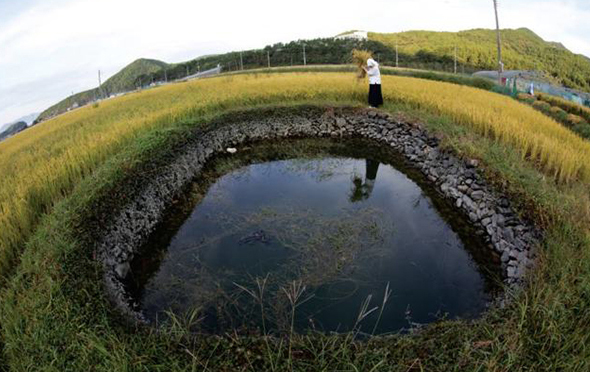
[53,47]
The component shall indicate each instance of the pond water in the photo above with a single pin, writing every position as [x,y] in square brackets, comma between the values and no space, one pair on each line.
[330,236]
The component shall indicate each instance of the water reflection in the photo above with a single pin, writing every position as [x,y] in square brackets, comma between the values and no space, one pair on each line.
[362,190]
[280,222]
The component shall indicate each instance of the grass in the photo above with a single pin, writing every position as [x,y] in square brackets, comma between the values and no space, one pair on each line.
[53,314]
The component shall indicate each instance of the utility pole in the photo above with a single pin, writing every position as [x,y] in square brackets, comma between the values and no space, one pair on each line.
[455,59]
[268,58]
[241,61]
[304,59]
[500,64]
[99,85]
[396,55]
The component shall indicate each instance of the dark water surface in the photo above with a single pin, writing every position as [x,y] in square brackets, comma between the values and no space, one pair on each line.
[327,227]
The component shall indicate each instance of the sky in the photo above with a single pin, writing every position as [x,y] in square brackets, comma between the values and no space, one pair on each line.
[51,48]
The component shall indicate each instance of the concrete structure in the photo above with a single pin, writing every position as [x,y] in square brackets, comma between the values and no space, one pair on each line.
[524,79]
[358,35]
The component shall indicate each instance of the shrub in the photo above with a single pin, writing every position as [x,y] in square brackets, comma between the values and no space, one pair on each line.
[583,129]
[570,107]
[526,98]
[558,114]
[542,106]
[574,119]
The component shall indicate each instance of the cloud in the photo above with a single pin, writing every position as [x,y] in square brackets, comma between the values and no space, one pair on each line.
[52,47]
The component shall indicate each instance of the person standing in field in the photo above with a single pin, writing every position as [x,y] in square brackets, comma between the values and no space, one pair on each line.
[375,95]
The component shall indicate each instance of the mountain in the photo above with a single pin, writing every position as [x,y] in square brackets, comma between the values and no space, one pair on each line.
[476,50]
[122,81]
[29,119]
[13,129]
[522,49]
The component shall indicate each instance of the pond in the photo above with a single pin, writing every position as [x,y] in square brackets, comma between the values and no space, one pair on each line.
[322,235]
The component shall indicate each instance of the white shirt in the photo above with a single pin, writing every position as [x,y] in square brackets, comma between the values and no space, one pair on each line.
[374,73]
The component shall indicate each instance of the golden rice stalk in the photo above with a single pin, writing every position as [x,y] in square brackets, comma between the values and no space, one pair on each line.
[359,58]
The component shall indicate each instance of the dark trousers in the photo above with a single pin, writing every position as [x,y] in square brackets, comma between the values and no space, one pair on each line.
[375,96]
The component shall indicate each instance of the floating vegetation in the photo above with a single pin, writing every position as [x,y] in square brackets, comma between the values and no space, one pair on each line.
[314,242]
[320,250]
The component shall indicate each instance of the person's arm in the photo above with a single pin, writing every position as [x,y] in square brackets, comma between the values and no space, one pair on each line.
[372,71]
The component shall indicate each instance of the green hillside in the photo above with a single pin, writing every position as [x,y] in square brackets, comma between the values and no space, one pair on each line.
[476,49]
[122,81]
[522,50]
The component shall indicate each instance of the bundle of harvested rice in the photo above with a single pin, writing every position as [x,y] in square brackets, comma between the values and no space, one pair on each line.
[359,58]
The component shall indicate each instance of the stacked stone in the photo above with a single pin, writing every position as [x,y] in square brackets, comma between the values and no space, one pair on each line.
[512,238]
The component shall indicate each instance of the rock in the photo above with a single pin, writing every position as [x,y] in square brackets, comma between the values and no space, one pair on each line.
[477,195]
[486,221]
[505,257]
[490,230]
[468,203]
[340,122]
[463,188]
[122,270]
[511,272]
[508,234]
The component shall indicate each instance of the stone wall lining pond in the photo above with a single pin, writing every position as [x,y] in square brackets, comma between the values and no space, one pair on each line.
[512,238]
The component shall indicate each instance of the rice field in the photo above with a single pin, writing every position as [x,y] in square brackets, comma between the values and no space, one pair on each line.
[41,165]
[52,312]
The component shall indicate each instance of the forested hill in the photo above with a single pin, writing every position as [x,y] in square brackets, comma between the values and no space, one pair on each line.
[476,50]
[522,49]
[122,81]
